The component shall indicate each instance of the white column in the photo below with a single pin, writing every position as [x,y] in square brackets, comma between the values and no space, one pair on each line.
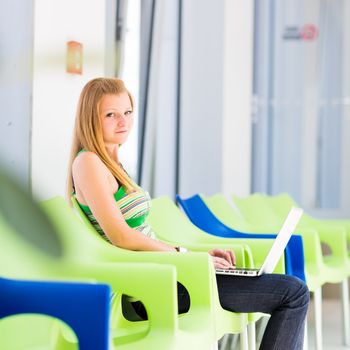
[237,93]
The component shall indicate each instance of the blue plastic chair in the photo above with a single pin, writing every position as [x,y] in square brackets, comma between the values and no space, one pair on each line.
[82,306]
[200,215]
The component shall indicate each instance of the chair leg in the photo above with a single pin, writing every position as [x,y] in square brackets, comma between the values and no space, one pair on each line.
[262,323]
[251,336]
[229,342]
[318,318]
[306,340]
[223,344]
[244,339]
[345,313]
[234,340]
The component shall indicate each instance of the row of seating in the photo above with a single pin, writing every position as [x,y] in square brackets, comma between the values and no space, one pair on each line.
[229,217]
[151,276]
[87,257]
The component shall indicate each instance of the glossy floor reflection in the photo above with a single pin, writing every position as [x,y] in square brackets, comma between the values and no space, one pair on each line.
[332,325]
[332,328]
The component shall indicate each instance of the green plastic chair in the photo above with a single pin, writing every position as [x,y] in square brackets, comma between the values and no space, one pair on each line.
[172,226]
[331,228]
[258,208]
[281,204]
[131,279]
[225,212]
[32,249]
[333,268]
[228,213]
[66,301]
[205,314]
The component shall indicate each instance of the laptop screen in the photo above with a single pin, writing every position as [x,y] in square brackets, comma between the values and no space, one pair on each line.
[281,240]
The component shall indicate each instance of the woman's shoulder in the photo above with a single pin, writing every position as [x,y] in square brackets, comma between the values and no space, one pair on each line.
[87,160]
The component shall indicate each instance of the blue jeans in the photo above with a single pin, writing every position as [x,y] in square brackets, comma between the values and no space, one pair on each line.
[285,298]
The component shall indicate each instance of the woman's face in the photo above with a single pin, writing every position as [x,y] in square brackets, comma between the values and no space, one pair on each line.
[116,116]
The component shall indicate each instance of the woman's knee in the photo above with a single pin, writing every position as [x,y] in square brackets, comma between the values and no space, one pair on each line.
[305,293]
[300,293]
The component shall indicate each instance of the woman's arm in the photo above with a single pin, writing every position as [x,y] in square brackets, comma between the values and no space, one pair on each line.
[90,176]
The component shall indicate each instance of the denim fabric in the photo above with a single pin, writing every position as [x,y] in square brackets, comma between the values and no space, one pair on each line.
[285,298]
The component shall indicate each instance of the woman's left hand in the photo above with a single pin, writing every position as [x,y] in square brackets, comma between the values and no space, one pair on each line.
[228,255]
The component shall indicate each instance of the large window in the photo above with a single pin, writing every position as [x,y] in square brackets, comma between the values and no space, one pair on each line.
[301,90]
[123,61]
[130,74]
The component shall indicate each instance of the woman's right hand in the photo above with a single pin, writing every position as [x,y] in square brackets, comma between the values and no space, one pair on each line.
[223,259]
[221,263]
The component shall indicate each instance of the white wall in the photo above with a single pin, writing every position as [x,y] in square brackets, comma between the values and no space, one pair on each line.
[216,90]
[15,86]
[55,92]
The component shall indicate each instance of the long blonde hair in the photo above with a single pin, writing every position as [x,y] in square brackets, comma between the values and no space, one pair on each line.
[87,133]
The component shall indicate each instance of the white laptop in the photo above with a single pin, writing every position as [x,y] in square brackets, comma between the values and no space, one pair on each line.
[276,250]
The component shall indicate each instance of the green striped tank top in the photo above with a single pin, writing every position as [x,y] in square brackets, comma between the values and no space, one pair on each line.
[134,206]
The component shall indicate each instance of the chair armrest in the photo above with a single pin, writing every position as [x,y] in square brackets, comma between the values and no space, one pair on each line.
[249,252]
[325,223]
[342,223]
[194,270]
[153,284]
[312,245]
[242,252]
[254,251]
[335,238]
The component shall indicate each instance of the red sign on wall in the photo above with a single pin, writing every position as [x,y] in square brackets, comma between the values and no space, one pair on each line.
[309,32]
[74,57]
[306,32]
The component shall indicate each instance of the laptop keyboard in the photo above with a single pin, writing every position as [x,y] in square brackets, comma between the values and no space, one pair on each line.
[236,272]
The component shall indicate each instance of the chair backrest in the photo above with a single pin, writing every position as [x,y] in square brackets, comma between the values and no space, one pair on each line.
[220,206]
[201,216]
[294,254]
[282,203]
[19,258]
[66,301]
[20,211]
[28,240]
[88,225]
[255,210]
[31,249]
[169,223]
[76,232]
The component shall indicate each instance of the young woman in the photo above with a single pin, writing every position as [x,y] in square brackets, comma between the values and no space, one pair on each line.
[117,208]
